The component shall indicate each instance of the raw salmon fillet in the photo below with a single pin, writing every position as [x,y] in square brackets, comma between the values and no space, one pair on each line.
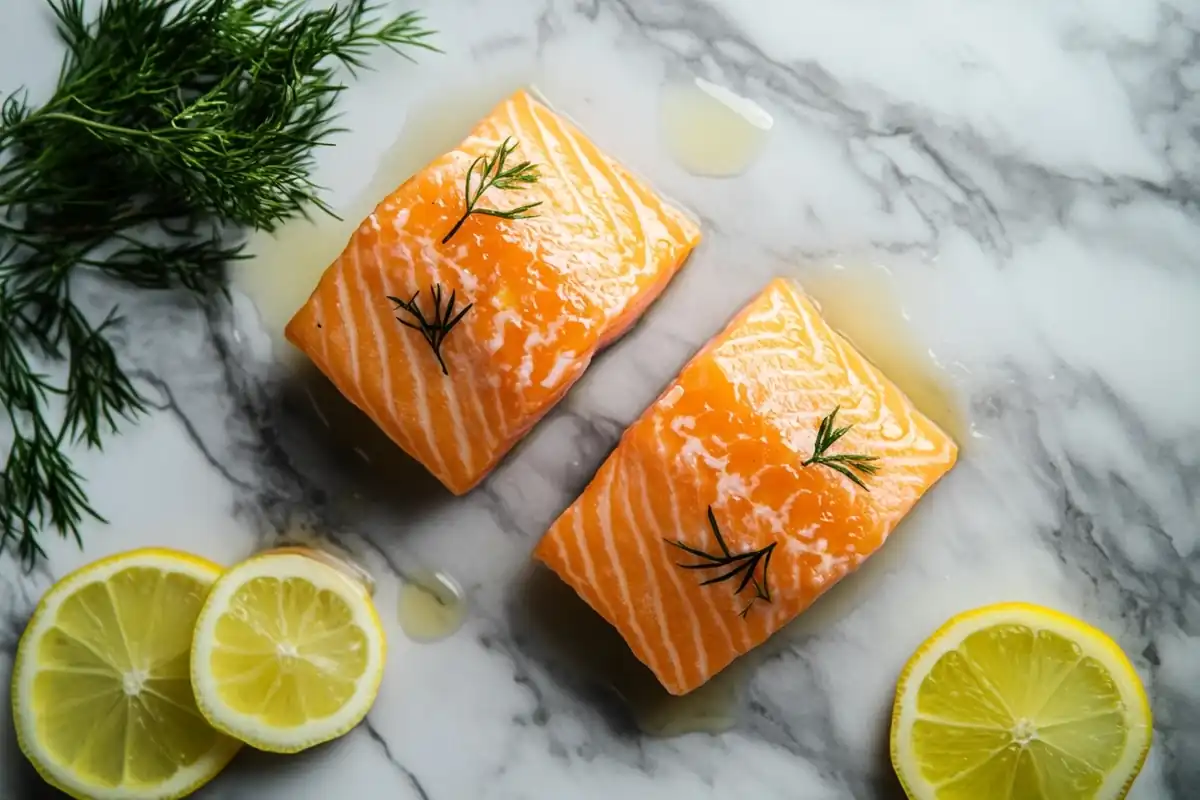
[731,435]
[548,291]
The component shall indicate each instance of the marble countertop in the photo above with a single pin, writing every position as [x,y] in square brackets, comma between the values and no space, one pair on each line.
[1025,174]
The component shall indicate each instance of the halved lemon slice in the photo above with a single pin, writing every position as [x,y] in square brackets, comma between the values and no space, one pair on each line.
[1018,701]
[101,694]
[288,653]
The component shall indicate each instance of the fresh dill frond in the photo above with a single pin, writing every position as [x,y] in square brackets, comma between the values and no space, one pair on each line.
[174,122]
[845,463]
[493,174]
[741,564]
[436,328]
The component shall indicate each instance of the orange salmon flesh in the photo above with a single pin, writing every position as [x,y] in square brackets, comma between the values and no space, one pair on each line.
[731,434]
[548,291]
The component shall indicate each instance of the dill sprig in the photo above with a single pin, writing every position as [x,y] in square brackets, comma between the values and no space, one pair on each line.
[436,328]
[492,173]
[743,564]
[173,122]
[845,463]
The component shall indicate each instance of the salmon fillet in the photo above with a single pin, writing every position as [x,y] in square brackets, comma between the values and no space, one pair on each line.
[547,292]
[729,438]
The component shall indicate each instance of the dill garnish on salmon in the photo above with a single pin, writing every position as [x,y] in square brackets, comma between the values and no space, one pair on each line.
[773,466]
[554,247]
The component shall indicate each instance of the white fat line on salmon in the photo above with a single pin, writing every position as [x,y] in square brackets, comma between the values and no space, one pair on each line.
[339,285]
[473,384]
[435,259]
[450,394]
[604,514]
[370,302]
[591,171]
[678,535]
[466,454]
[818,342]
[746,339]
[494,382]
[864,397]
[536,337]
[581,207]
[594,173]
[656,596]
[888,424]
[675,207]
[525,371]
[564,554]
[671,397]
[420,391]
[399,222]
[498,322]
[589,566]
[830,567]
[844,353]
[693,448]
[565,359]
[721,617]
[643,232]
[631,196]
[733,605]
[693,617]
[731,486]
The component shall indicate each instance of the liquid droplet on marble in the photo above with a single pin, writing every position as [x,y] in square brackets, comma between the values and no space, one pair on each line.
[432,606]
[710,130]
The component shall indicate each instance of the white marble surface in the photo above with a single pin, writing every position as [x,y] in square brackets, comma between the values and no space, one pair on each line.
[1027,172]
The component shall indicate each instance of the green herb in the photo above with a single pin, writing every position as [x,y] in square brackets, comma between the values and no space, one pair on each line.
[744,564]
[492,173]
[436,329]
[844,463]
[173,123]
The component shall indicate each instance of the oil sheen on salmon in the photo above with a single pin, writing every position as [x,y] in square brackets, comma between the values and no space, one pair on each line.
[711,469]
[285,266]
[545,291]
[861,303]
[711,131]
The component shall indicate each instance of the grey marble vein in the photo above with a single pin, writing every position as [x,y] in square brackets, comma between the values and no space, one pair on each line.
[1028,176]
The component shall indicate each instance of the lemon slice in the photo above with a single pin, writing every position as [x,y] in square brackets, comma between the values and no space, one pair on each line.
[1019,701]
[101,694]
[288,653]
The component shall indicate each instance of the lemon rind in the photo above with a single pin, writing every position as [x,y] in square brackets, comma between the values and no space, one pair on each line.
[248,728]
[185,781]
[1093,641]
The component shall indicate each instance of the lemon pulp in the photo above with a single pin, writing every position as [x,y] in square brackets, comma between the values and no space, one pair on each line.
[1016,701]
[287,666]
[288,653]
[102,696]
